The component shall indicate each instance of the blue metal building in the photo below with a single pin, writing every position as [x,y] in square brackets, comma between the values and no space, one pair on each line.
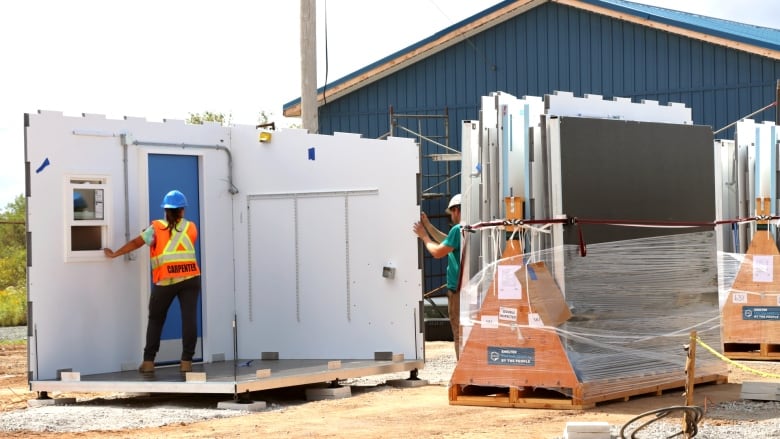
[721,69]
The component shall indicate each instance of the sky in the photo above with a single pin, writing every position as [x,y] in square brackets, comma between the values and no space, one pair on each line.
[165,59]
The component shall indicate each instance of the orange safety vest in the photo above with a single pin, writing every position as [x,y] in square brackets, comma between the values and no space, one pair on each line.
[173,254]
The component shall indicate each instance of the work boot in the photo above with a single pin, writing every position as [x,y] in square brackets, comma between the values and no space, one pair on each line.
[185,366]
[146,367]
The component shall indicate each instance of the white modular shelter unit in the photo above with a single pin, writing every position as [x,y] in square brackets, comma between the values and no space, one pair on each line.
[304,247]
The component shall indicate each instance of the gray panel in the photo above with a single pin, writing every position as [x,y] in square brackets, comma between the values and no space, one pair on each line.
[621,170]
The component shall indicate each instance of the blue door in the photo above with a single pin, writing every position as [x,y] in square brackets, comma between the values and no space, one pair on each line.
[168,172]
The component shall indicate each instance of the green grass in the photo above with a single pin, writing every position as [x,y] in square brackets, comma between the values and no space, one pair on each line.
[13,307]
[20,341]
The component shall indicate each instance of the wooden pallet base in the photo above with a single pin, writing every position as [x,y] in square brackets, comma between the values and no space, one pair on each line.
[752,351]
[540,398]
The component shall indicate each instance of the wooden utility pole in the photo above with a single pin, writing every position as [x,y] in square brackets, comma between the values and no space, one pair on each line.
[309,66]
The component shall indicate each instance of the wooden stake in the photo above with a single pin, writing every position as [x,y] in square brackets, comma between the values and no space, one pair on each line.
[690,378]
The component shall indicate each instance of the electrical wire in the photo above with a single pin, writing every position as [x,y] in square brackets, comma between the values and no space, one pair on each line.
[691,414]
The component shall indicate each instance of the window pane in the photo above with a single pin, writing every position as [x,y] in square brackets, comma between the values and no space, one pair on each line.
[85,238]
[87,204]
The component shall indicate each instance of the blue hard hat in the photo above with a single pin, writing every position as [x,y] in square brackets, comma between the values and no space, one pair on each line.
[174,200]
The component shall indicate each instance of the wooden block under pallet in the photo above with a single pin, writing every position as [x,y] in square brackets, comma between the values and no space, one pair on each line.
[586,396]
[752,351]
[484,396]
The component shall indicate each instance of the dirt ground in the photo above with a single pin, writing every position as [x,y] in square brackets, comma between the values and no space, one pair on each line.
[381,411]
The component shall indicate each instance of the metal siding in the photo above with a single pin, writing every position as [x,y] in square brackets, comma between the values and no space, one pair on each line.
[534,55]
[371,102]
[629,78]
[586,58]
[506,72]
[605,54]
[544,48]
[445,76]
[673,75]
[459,75]
[365,117]
[685,62]
[425,86]
[488,53]
[721,77]
[479,79]
[663,57]
[617,58]
[435,76]
[555,58]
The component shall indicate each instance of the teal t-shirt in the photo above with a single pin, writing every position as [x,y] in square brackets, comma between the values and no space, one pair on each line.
[453,258]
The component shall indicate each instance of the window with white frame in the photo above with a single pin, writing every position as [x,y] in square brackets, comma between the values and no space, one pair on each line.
[86,217]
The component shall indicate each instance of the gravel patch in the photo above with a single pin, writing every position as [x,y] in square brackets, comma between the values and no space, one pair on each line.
[729,420]
[9,333]
[70,419]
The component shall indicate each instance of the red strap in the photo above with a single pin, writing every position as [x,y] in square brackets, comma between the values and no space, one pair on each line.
[583,248]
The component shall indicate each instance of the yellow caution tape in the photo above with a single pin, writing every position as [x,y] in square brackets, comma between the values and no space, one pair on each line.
[738,365]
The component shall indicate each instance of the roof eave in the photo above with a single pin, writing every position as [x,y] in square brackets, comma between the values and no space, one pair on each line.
[679,30]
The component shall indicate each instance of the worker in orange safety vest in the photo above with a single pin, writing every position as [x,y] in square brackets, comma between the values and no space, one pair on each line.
[175,273]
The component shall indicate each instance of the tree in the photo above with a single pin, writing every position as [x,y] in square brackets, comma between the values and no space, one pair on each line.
[12,230]
[13,245]
[263,117]
[13,263]
[13,270]
[208,116]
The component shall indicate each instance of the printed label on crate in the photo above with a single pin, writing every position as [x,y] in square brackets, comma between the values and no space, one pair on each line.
[761,313]
[763,267]
[535,320]
[510,314]
[489,322]
[504,356]
[739,297]
[509,288]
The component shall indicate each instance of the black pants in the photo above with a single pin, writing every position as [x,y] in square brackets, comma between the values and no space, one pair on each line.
[162,296]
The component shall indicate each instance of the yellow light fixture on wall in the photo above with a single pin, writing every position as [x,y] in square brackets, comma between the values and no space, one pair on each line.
[264,137]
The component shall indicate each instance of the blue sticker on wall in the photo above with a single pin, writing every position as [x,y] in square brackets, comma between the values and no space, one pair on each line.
[44,164]
[311,153]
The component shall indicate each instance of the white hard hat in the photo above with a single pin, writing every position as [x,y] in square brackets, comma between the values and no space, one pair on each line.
[455,201]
